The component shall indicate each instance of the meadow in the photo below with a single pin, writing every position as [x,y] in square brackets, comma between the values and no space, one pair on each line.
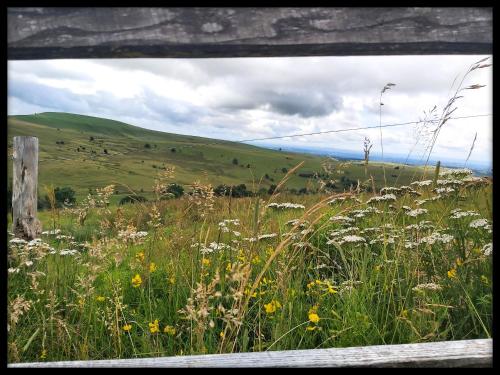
[84,152]
[207,274]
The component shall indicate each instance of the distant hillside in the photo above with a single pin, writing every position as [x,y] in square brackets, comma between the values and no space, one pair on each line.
[87,152]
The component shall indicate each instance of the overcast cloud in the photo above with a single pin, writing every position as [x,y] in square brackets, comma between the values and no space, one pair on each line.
[246,98]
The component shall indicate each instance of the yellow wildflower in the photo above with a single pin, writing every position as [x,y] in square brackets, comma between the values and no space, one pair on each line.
[269,251]
[459,262]
[205,262]
[331,290]
[313,317]
[311,328]
[318,282]
[229,266]
[154,327]
[140,256]
[310,285]
[43,354]
[247,291]
[152,267]
[452,273]
[136,281]
[272,306]
[169,330]
[221,334]
[484,280]
[404,313]
[172,280]
[100,298]
[377,267]
[127,327]
[81,302]
[256,260]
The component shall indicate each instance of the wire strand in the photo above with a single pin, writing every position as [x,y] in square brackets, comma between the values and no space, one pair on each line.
[354,129]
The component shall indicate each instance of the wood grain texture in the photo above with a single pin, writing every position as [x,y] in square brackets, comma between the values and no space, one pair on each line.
[25,188]
[466,353]
[46,33]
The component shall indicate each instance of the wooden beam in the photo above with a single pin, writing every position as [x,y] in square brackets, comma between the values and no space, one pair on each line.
[53,33]
[25,188]
[466,353]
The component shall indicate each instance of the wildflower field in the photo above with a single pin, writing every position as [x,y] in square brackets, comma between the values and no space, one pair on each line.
[207,274]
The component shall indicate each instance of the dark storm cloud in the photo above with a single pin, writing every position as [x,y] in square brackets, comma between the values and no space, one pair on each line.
[303,103]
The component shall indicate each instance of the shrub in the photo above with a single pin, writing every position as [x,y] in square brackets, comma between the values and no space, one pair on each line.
[272,188]
[91,138]
[175,189]
[302,191]
[222,190]
[235,161]
[64,195]
[306,175]
[132,199]
[284,170]
[173,149]
[147,145]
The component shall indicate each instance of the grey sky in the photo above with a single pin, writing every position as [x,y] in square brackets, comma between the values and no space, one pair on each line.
[245,98]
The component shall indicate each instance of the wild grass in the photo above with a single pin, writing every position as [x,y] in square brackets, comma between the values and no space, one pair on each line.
[200,275]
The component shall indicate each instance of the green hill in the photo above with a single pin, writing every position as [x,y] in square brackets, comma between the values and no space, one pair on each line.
[87,152]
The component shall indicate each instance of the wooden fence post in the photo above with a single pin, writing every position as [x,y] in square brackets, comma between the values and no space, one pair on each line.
[25,188]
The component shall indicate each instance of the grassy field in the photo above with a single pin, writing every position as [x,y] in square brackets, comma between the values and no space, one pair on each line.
[205,274]
[82,164]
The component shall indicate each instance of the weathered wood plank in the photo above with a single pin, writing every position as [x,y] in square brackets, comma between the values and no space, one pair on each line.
[466,353]
[25,188]
[47,33]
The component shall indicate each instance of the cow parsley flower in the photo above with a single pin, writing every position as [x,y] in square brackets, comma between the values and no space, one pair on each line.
[417,212]
[479,223]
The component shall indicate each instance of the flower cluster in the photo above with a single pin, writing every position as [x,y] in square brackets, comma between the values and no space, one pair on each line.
[283,206]
[383,198]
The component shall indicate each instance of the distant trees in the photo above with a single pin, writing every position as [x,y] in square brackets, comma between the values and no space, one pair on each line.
[59,142]
[173,149]
[106,151]
[235,161]
[147,145]
[284,170]
[91,139]
[132,199]
[235,191]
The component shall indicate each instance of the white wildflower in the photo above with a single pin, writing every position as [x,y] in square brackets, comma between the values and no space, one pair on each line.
[353,239]
[286,206]
[383,198]
[340,218]
[266,236]
[427,286]
[437,237]
[17,241]
[479,223]
[458,214]
[487,249]
[417,212]
[422,183]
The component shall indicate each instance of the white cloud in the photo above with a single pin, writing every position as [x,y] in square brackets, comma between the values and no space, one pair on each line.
[264,97]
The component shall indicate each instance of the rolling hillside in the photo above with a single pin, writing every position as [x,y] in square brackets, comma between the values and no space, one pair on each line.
[86,152]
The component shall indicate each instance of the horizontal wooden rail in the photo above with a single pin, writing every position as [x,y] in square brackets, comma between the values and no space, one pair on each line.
[53,33]
[465,353]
